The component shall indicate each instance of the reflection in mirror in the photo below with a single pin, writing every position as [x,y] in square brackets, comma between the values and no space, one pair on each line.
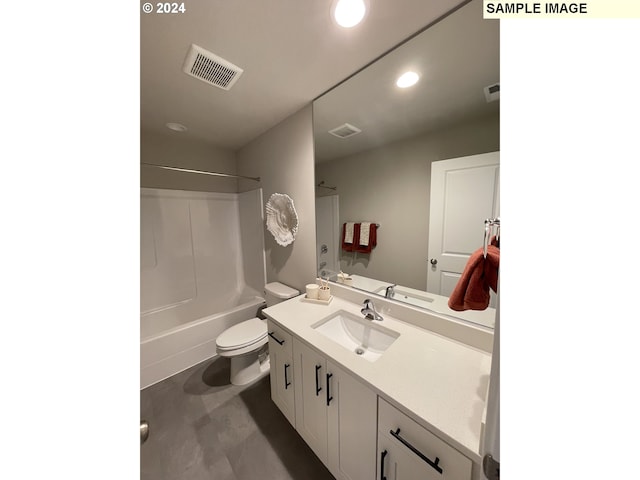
[422,162]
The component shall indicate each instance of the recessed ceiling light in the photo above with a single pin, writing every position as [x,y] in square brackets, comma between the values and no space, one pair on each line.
[178,127]
[348,13]
[407,79]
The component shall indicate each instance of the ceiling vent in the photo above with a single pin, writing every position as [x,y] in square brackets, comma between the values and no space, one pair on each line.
[345,131]
[492,92]
[210,68]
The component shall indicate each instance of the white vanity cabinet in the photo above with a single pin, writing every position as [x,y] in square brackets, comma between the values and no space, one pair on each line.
[335,414]
[413,412]
[407,451]
[281,371]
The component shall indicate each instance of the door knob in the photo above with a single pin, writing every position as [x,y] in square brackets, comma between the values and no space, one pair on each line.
[434,261]
[144,431]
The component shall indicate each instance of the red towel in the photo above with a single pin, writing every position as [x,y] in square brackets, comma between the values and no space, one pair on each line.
[373,240]
[351,247]
[479,275]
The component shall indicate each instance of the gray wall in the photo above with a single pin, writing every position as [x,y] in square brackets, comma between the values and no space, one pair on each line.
[177,150]
[283,159]
[391,186]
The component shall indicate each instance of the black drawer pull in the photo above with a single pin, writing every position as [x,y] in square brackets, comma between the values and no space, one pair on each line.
[396,434]
[281,342]
[382,455]
[286,380]
[329,397]
[318,387]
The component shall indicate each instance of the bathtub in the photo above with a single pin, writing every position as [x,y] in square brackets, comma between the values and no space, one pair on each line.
[173,350]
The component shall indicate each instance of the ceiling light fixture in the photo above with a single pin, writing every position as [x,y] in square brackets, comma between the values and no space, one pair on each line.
[348,13]
[178,127]
[407,79]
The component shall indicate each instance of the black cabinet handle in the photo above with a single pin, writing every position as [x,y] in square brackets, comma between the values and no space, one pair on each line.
[286,380]
[281,342]
[329,397]
[318,387]
[382,455]
[433,464]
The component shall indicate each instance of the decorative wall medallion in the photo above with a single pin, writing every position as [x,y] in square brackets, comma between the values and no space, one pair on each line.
[282,218]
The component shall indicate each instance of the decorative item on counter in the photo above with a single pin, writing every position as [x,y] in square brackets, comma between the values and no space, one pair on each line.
[325,291]
[322,292]
[282,218]
[312,291]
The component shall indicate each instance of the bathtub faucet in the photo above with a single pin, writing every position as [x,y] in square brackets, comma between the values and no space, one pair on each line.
[369,311]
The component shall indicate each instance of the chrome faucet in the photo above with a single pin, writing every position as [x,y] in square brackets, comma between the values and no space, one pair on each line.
[390,291]
[369,310]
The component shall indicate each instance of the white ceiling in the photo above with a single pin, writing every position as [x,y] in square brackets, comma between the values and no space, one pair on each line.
[290,50]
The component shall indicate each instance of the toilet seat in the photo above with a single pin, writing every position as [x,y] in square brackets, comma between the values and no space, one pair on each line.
[252,332]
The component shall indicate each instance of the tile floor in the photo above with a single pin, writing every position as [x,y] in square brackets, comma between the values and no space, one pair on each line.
[202,427]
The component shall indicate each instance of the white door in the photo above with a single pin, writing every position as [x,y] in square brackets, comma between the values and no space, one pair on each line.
[464,192]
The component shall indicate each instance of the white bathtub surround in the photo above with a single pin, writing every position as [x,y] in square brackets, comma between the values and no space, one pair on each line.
[167,353]
[202,270]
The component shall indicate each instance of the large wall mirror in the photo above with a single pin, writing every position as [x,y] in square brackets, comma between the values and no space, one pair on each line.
[381,170]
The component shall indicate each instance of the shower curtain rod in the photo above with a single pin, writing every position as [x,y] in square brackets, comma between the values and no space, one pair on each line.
[257,179]
[322,185]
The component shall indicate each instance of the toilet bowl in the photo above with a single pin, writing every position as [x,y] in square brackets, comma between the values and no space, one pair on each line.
[246,342]
[241,343]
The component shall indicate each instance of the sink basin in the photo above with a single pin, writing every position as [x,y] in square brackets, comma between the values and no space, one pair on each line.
[366,338]
[407,296]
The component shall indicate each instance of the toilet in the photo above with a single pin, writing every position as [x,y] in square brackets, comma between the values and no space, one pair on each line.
[246,342]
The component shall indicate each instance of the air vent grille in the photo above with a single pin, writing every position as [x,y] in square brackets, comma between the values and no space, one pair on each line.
[345,131]
[210,68]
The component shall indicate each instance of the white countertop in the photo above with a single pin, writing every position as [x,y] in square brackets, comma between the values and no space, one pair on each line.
[439,382]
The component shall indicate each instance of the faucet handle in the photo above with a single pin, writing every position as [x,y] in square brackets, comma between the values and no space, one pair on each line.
[369,310]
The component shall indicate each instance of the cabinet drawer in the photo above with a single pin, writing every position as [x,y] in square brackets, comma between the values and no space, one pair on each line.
[279,340]
[422,445]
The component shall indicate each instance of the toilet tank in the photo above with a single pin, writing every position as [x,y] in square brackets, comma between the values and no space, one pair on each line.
[276,292]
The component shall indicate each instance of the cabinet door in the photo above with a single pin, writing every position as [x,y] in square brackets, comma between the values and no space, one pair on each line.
[396,464]
[413,452]
[311,398]
[352,419]
[281,371]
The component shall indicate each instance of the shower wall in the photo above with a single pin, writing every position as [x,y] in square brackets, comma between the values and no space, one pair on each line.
[197,251]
